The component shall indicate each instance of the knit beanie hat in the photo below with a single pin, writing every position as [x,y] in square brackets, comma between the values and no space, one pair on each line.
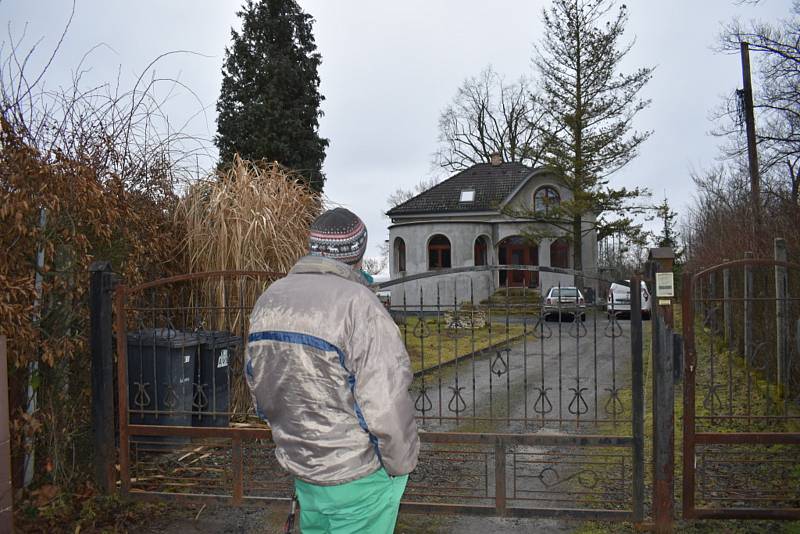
[338,234]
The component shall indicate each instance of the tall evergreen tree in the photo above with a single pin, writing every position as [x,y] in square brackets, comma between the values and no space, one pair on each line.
[590,107]
[269,104]
[668,236]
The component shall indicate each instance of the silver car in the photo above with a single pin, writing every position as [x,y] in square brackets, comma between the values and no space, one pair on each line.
[564,301]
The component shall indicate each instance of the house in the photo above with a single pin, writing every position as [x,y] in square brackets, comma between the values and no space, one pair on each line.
[461,222]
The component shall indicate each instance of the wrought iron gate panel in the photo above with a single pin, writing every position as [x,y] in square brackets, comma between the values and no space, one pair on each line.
[741,324]
[519,415]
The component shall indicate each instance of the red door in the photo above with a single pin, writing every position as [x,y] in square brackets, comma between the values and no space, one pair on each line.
[516,251]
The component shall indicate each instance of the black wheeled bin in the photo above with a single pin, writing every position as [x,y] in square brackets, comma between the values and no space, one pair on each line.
[161,368]
[212,379]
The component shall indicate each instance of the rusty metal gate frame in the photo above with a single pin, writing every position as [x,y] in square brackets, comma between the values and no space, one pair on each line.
[701,290]
[501,443]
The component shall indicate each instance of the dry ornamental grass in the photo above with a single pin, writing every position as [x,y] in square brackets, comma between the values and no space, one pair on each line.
[252,216]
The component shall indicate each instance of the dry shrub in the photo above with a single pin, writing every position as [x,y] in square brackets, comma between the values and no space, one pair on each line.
[88,215]
[84,176]
[722,224]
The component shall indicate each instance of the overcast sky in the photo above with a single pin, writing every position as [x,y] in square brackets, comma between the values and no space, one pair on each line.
[389,68]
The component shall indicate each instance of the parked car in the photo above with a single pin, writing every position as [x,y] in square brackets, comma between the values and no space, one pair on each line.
[619,299]
[564,301]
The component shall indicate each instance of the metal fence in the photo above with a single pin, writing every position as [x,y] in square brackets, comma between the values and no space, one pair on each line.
[742,391]
[525,407]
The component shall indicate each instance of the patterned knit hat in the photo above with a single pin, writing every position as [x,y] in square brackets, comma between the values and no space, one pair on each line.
[338,234]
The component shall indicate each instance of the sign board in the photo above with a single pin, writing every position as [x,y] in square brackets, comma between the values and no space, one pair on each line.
[665,285]
[664,302]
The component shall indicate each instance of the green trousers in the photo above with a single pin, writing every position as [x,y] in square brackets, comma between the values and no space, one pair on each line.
[368,505]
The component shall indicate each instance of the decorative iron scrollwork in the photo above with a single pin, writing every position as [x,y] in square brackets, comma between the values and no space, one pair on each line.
[500,364]
[457,403]
[613,328]
[712,402]
[421,329]
[141,399]
[613,405]
[423,402]
[578,404]
[577,329]
[549,477]
[542,405]
[200,399]
[586,478]
[170,398]
[541,329]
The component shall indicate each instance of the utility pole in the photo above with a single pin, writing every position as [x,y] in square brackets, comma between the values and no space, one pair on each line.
[750,124]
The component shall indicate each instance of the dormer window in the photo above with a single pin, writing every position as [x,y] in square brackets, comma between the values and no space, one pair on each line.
[467,195]
[545,199]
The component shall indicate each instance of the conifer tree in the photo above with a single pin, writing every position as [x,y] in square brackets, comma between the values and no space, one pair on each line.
[269,104]
[590,107]
[668,236]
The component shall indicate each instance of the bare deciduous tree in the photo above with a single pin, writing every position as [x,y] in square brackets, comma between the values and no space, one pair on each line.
[401,195]
[487,116]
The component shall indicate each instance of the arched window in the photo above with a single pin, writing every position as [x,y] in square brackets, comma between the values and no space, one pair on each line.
[438,252]
[545,199]
[559,253]
[481,251]
[400,254]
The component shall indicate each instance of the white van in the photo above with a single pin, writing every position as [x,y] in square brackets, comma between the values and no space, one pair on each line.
[619,299]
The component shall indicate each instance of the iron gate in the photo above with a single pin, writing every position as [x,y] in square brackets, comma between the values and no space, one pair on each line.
[741,324]
[520,413]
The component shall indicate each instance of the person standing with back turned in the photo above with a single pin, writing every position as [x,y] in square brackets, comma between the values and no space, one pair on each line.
[328,370]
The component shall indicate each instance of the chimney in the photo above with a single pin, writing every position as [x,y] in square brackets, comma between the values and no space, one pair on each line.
[496,159]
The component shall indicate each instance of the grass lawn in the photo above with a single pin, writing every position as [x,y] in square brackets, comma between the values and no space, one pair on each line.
[437,346]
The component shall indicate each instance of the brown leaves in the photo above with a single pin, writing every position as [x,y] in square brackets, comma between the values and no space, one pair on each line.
[89,214]
[44,495]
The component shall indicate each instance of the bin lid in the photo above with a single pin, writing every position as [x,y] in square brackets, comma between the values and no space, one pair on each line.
[221,337]
[165,337]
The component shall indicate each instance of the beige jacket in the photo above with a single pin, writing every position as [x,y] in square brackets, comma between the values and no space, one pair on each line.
[328,370]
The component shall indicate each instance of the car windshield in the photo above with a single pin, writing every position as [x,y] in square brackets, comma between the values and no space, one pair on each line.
[565,292]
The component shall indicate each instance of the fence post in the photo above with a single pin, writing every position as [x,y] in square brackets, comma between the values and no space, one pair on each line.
[500,477]
[781,315]
[100,341]
[637,391]
[747,325]
[727,308]
[711,311]
[6,489]
[663,358]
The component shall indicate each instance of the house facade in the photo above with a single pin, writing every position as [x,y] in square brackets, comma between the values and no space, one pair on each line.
[463,222]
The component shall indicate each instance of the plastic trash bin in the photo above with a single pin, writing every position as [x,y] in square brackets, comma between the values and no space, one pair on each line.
[161,368]
[212,380]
